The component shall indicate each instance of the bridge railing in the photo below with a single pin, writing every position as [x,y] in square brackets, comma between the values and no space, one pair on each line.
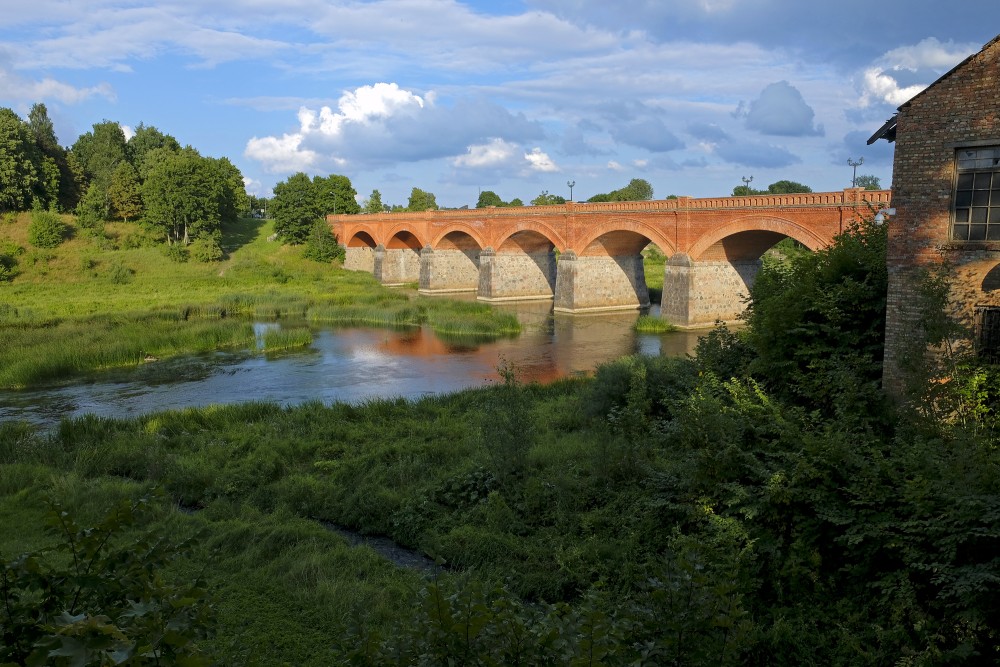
[854,197]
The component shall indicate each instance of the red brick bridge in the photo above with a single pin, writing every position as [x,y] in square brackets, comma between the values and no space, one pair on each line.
[714,248]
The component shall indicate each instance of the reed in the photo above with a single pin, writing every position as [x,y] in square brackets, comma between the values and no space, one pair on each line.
[275,340]
[653,325]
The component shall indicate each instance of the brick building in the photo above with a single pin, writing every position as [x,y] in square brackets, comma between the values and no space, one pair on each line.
[946,192]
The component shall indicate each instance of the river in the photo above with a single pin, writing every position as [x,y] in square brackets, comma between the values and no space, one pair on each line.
[351,365]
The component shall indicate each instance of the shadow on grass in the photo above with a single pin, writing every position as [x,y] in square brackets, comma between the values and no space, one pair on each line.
[237,234]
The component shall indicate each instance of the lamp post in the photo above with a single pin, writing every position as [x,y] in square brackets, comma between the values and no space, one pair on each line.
[571,184]
[854,177]
[746,182]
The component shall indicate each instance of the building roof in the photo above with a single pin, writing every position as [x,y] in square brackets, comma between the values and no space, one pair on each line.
[888,130]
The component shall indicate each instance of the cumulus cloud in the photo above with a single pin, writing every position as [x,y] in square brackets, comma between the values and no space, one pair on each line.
[496,153]
[615,165]
[905,71]
[539,161]
[383,124]
[780,111]
[127,131]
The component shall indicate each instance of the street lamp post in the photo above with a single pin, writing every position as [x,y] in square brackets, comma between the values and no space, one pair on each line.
[571,184]
[746,182]
[854,177]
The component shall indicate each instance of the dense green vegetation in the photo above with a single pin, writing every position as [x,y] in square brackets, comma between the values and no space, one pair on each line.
[733,508]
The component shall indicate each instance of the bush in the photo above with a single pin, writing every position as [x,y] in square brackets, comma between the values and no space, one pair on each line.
[175,252]
[120,274]
[103,599]
[46,229]
[206,249]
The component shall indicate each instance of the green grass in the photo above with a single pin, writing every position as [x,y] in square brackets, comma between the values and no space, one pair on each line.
[653,324]
[112,300]
[286,339]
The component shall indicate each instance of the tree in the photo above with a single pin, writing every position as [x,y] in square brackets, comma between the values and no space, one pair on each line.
[515,202]
[787,188]
[125,192]
[374,203]
[489,198]
[294,208]
[99,152]
[545,199]
[232,191]
[335,194]
[638,189]
[19,162]
[182,194]
[322,246]
[146,139]
[421,201]
[868,182]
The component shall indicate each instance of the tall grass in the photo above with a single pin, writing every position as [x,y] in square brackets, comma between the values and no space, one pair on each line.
[286,339]
[654,325]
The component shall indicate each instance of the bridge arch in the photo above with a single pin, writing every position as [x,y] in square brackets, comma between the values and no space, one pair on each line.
[622,234]
[403,236]
[451,263]
[529,237]
[743,237]
[452,238]
[359,250]
[361,238]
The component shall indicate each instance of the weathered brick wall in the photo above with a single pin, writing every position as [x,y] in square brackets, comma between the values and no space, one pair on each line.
[961,108]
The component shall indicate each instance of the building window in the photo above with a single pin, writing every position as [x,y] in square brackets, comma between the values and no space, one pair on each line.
[977,195]
[988,333]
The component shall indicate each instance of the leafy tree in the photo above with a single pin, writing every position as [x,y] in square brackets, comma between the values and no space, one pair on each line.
[817,323]
[125,191]
[335,194]
[294,208]
[146,139]
[374,203]
[515,202]
[19,162]
[787,188]
[638,189]
[421,201]
[746,191]
[322,246]
[489,198]
[182,194]
[232,194]
[545,199]
[868,182]
[100,151]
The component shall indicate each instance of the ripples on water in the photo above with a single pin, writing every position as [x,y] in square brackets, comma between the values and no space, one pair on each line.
[351,365]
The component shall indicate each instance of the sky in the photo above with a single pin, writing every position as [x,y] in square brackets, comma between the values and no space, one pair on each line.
[514,96]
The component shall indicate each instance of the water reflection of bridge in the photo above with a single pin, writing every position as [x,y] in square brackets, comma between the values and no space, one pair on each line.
[713,248]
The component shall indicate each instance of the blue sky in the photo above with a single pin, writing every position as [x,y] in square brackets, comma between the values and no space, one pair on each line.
[514,96]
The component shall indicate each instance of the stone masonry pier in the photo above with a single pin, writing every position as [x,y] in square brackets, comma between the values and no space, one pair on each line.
[587,257]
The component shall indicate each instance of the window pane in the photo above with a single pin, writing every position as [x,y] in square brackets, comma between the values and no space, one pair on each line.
[961,215]
[993,232]
[979,215]
[995,213]
[965,181]
[961,233]
[977,233]
[963,198]
[981,198]
[982,182]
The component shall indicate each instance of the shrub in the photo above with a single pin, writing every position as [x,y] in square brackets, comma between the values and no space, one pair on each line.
[206,249]
[46,229]
[120,274]
[175,252]
[322,246]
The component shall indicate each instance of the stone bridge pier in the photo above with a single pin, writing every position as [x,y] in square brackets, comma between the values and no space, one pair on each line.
[696,294]
[516,276]
[396,266]
[596,283]
[444,271]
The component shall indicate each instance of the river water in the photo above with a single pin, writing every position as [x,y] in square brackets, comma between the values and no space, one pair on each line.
[351,365]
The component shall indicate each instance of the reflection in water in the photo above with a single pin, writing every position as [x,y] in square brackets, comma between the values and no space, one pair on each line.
[352,365]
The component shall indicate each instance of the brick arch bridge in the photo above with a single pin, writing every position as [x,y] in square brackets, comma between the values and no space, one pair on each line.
[714,248]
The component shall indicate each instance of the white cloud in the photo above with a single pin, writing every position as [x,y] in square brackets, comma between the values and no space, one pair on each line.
[14,87]
[614,165]
[281,155]
[496,153]
[127,131]
[905,71]
[781,111]
[539,161]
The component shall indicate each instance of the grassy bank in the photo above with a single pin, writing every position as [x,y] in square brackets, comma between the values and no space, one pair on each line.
[651,510]
[116,299]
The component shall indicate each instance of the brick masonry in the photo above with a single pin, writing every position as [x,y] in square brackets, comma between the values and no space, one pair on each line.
[959,109]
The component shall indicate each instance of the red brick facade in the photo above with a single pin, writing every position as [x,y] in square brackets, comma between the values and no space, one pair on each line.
[961,110]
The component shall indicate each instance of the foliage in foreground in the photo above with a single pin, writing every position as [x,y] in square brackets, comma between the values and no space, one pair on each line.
[97,597]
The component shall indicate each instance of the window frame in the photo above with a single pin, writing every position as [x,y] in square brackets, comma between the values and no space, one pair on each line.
[975,201]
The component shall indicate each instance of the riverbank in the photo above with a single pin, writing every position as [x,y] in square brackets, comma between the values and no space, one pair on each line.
[114,300]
